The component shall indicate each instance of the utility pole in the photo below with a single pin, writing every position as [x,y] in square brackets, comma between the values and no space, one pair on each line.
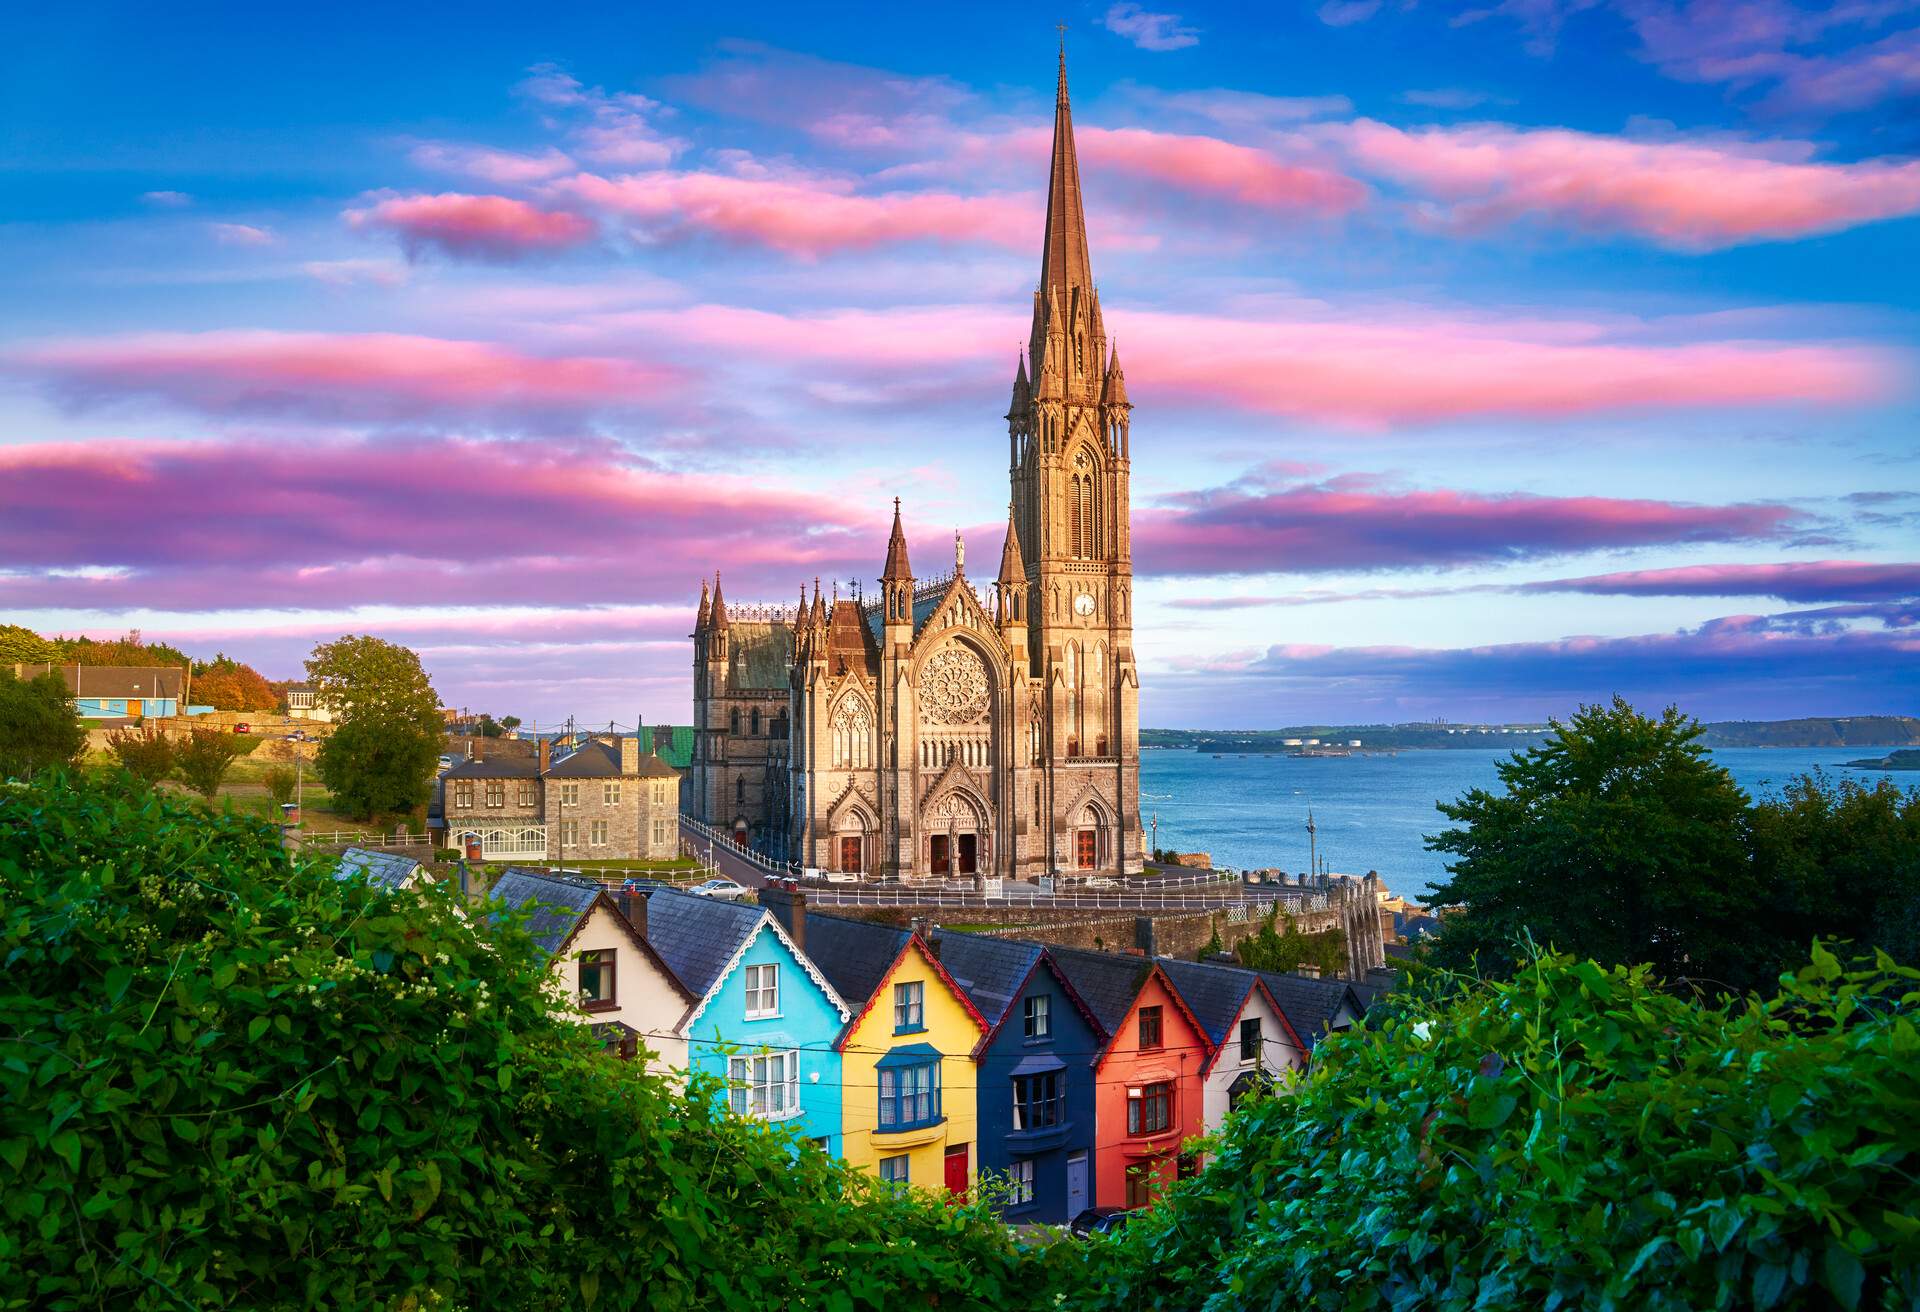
[1313,847]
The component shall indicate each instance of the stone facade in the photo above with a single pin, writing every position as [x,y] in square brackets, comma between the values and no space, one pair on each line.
[937,730]
[606,801]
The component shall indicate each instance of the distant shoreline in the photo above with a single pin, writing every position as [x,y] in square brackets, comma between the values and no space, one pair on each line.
[1887,732]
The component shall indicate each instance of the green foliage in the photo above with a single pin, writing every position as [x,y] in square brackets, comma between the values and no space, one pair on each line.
[229,1080]
[146,754]
[21,646]
[380,758]
[280,782]
[202,761]
[38,729]
[1279,945]
[1619,840]
[129,650]
[1840,860]
[509,722]
[1577,1137]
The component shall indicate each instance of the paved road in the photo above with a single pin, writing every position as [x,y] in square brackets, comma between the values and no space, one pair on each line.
[730,864]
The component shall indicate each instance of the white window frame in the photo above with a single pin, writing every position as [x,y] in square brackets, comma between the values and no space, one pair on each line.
[763,991]
[569,794]
[1042,1013]
[610,793]
[765,1085]
[597,833]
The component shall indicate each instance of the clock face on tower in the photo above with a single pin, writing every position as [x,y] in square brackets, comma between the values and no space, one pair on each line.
[1083,604]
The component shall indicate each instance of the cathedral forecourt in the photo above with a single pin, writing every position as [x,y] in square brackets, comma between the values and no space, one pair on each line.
[928,733]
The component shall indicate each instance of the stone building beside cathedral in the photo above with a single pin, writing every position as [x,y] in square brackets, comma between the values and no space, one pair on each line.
[936,730]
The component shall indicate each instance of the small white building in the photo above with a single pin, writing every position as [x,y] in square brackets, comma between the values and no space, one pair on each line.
[1253,1046]
[612,978]
[304,704]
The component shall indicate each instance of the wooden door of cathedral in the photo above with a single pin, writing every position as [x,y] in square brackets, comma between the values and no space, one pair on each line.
[1086,847]
[937,849]
[969,853]
[850,854]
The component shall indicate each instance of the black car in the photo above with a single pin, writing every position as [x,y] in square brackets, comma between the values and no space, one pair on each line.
[1099,1221]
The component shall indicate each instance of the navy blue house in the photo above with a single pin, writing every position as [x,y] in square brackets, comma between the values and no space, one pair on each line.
[1035,1066]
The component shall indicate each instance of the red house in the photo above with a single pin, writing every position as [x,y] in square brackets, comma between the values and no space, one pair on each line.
[1149,1078]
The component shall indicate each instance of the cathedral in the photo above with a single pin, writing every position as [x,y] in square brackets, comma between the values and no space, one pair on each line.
[941,729]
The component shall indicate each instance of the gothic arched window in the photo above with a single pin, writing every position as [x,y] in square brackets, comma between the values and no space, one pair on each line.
[740,789]
[756,722]
[733,720]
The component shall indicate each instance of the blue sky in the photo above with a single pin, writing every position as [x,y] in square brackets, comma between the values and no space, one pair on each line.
[1486,359]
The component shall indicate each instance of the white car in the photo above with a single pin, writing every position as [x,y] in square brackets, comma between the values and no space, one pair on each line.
[719,888]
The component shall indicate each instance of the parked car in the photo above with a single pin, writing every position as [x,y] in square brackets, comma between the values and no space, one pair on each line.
[1099,1221]
[243,727]
[719,888]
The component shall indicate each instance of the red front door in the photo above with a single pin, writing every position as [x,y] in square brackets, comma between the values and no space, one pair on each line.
[850,854]
[1085,844]
[938,850]
[957,1170]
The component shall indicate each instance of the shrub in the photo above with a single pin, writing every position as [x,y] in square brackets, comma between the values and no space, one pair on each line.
[227,1079]
[146,754]
[1576,1137]
[202,761]
[280,782]
[38,730]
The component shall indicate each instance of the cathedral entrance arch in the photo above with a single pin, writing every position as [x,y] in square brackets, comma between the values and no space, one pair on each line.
[959,836]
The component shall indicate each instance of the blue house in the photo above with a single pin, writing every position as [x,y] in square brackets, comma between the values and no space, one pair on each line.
[764,1019]
[1036,1082]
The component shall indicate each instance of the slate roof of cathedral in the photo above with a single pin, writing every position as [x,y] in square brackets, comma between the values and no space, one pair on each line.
[854,955]
[990,970]
[698,936]
[386,870]
[1215,994]
[762,655]
[1107,982]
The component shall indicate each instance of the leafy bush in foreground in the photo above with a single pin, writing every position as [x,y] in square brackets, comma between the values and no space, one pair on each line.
[227,1079]
[1576,1137]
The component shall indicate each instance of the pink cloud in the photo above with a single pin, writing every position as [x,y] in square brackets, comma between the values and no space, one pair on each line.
[348,375]
[1815,57]
[804,216]
[1797,580]
[1208,166]
[1352,523]
[241,234]
[495,228]
[1686,194]
[500,167]
[436,522]
[1398,366]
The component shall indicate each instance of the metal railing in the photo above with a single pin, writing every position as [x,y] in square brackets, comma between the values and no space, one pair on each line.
[362,838]
[842,896]
[725,842]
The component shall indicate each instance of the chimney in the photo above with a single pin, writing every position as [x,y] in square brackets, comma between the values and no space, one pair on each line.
[789,907]
[633,905]
[546,754]
[1307,970]
[931,939]
[1144,936]
[630,754]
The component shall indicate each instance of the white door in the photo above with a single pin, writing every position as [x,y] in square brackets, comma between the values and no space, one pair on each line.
[1076,1184]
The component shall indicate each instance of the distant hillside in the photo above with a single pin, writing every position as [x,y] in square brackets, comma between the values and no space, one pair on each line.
[1850,731]
[1844,731]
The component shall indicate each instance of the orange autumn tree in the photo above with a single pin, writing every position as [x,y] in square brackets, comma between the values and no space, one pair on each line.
[225,684]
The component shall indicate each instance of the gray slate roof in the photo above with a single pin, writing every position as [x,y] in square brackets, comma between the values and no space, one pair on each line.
[697,936]
[495,767]
[562,903]
[989,970]
[1214,994]
[382,869]
[1107,982]
[854,955]
[1310,1004]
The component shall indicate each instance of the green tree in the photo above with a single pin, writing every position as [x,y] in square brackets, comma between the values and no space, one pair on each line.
[379,759]
[38,727]
[202,761]
[510,722]
[1840,860]
[280,782]
[1280,945]
[20,646]
[146,754]
[1618,839]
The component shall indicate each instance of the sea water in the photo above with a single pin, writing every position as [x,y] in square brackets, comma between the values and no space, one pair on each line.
[1373,811]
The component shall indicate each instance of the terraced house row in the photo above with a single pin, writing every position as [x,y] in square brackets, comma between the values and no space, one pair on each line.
[1073,1078]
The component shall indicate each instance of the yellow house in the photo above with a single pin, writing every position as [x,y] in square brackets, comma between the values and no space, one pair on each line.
[908,1078]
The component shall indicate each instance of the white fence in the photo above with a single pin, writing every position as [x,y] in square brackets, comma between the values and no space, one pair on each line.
[1089,900]
[719,841]
[361,838]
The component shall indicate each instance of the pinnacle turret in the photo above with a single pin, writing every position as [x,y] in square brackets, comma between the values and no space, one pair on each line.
[897,570]
[1115,391]
[1012,567]
[1022,390]
[706,607]
[718,616]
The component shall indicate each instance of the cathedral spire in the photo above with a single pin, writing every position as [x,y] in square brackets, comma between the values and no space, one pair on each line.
[1066,274]
[897,567]
[706,602]
[1012,568]
[719,613]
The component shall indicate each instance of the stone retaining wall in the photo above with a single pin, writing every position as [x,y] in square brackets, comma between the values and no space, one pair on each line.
[1174,933]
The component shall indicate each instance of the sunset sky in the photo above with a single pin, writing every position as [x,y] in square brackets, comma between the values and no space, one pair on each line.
[1486,359]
